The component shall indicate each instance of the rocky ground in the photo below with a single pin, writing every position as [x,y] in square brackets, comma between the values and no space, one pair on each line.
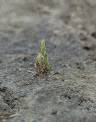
[68,93]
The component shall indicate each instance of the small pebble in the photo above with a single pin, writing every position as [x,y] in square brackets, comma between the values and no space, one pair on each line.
[54,112]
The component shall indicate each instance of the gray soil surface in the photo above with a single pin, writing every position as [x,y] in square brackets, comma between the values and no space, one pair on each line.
[68,93]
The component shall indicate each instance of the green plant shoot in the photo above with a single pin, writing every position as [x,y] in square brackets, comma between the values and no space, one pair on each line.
[42,63]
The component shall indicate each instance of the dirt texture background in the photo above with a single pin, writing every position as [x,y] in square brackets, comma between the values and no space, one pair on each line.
[68,93]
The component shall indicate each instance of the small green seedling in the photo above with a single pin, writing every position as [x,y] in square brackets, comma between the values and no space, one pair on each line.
[41,62]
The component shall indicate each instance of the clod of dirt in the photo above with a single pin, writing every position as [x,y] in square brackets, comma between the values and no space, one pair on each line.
[83,37]
[0,61]
[93,35]
[54,112]
[9,99]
